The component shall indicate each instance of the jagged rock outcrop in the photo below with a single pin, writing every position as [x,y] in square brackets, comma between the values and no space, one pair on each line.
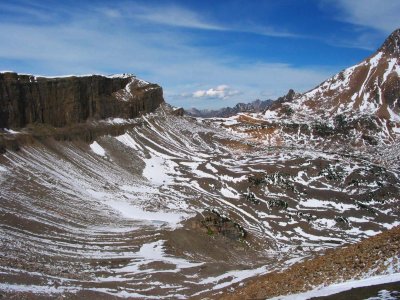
[291,94]
[178,111]
[61,101]
[288,97]
[392,44]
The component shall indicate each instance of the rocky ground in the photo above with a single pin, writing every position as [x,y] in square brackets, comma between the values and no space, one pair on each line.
[373,256]
[174,207]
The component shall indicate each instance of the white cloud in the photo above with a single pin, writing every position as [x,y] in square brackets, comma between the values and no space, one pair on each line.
[221,92]
[382,15]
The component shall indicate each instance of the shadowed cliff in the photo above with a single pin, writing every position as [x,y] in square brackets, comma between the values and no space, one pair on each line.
[26,99]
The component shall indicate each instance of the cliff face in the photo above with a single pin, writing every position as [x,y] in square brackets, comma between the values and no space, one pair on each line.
[62,101]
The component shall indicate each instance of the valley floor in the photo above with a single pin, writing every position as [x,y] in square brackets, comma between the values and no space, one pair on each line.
[176,207]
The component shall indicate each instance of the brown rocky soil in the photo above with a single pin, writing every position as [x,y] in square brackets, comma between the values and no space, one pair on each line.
[335,266]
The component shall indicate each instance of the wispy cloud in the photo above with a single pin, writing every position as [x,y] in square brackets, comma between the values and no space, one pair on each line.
[109,40]
[376,14]
[23,12]
[175,16]
[181,17]
[364,40]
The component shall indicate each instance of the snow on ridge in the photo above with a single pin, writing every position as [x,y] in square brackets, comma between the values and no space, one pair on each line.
[141,82]
[120,75]
[134,81]
[111,76]
[335,82]
[374,61]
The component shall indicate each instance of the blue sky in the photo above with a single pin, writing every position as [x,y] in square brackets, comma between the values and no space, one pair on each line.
[205,54]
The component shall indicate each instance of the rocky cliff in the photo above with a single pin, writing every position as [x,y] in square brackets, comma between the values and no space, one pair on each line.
[61,101]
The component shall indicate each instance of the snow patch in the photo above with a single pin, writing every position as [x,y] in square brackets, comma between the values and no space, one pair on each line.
[128,141]
[391,64]
[155,217]
[10,131]
[227,192]
[374,61]
[230,121]
[96,148]
[232,277]
[159,169]
[270,114]
[155,252]
[117,121]
[396,129]
[393,116]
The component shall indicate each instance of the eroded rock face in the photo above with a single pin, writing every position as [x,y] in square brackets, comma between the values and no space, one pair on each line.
[62,101]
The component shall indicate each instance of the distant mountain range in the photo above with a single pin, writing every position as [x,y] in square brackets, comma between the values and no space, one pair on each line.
[225,112]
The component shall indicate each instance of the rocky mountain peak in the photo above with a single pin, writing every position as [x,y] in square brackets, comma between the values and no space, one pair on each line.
[289,96]
[368,88]
[391,45]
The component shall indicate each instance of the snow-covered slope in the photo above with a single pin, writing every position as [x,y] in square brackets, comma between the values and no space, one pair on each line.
[174,207]
[355,111]
[371,87]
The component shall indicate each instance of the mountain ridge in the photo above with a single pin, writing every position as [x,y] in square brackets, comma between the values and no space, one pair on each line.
[225,112]
[371,87]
